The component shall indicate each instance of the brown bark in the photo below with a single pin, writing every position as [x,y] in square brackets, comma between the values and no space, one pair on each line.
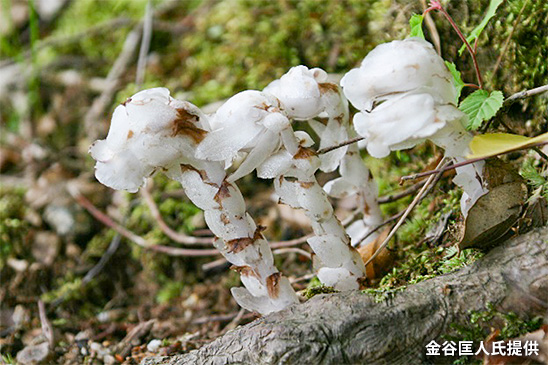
[351,328]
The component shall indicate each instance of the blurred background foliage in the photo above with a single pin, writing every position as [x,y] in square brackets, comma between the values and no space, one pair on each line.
[56,57]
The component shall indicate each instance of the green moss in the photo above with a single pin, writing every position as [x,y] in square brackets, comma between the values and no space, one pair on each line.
[244,44]
[315,287]
[169,291]
[14,228]
[69,288]
[482,323]
[383,293]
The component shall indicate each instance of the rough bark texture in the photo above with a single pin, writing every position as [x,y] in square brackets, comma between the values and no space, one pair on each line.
[351,328]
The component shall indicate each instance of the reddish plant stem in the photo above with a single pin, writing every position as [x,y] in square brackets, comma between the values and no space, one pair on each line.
[436,5]
[109,222]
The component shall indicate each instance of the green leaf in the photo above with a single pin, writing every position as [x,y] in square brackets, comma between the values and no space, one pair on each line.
[459,84]
[480,106]
[416,26]
[493,5]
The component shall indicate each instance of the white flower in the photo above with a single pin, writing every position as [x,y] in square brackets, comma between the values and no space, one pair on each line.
[305,94]
[417,101]
[299,91]
[151,130]
[405,95]
[250,121]
[398,67]
[402,122]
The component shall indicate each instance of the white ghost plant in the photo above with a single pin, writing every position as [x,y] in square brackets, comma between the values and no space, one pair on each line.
[405,95]
[306,94]
[151,131]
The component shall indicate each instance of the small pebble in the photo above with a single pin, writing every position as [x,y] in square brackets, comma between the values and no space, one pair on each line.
[154,345]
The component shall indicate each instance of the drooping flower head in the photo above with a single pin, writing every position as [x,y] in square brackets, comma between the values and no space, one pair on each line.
[250,121]
[300,92]
[410,65]
[405,94]
[306,94]
[149,131]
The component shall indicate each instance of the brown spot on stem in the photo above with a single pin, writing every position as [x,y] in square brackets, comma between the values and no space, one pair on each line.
[328,86]
[128,100]
[273,285]
[245,270]
[129,134]
[225,219]
[238,244]
[304,153]
[366,208]
[223,193]
[185,124]
[341,119]
[415,66]
[306,184]
[202,173]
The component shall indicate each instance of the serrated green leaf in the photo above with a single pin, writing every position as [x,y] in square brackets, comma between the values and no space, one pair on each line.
[493,5]
[459,84]
[480,106]
[416,26]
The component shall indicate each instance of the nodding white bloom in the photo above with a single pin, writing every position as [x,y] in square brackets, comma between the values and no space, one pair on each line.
[397,67]
[250,121]
[153,131]
[403,122]
[300,92]
[305,94]
[149,131]
[405,95]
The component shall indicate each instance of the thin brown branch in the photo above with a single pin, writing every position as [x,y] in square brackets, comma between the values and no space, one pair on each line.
[109,222]
[302,278]
[410,208]
[436,5]
[168,231]
[102,102]
[47,330]
[393,197]
[299,251]
[467,162]
[526,94]
[342,144]
[379,226]
[432,28]
[145,45]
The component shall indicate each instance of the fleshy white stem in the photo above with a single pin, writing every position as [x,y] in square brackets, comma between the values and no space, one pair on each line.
[338,263]
[240,240]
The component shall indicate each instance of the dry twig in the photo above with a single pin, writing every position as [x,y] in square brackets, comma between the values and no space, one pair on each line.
[175,236]
[47,330]
[414,203]
[106,220]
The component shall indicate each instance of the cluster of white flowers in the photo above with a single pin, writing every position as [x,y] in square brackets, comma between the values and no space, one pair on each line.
[152,131]
[404,94]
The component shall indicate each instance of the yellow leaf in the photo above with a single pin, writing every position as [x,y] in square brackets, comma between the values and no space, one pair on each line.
[492,144]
